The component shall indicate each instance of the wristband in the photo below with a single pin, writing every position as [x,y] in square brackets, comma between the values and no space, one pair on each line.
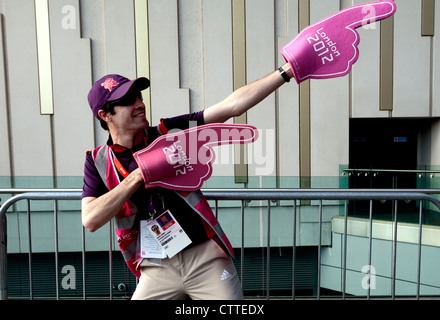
[284,74]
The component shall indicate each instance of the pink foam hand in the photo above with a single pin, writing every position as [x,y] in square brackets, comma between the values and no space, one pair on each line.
[329,48]
[183,160]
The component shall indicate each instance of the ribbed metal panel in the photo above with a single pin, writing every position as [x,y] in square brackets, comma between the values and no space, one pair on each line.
[44,275]
[98,280]
[281,266]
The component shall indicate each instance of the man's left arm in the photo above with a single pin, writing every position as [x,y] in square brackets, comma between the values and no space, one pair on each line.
[246,97]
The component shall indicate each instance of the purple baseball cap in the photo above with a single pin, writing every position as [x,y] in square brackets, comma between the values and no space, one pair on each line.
[113,87]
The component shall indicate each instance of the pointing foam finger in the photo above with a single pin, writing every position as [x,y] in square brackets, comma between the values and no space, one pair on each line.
[329,48]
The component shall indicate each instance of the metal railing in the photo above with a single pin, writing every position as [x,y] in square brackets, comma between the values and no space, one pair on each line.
[243,195]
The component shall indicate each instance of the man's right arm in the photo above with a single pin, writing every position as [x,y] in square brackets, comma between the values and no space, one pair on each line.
[96,212]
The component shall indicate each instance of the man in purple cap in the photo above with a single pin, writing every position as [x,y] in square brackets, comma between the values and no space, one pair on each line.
[114,189]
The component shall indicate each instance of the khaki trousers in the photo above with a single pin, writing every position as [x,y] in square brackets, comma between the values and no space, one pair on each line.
[203,272]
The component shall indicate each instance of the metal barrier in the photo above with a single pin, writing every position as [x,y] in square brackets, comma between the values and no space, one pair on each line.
[242,195]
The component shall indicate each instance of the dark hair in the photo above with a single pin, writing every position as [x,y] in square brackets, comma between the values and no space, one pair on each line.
[107,107]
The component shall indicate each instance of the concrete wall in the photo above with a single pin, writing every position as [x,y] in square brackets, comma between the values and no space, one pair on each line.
[361,275]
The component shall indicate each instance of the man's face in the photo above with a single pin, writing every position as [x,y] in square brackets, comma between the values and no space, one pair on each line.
[129,114]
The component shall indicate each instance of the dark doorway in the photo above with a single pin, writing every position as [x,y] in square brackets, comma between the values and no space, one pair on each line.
[383,144]
[382,151]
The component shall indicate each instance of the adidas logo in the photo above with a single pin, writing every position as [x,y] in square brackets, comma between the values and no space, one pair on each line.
[225,275]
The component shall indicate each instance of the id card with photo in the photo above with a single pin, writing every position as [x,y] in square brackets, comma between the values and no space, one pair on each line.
[168,233]
[150,248]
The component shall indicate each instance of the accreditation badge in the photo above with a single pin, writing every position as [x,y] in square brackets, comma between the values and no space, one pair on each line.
[150,248]
[169,237]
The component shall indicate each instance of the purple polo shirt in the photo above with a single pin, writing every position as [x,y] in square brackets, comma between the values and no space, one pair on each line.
[157,198]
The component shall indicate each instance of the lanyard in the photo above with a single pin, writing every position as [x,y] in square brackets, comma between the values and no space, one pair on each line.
[125,174]
[118,164]
[120,168]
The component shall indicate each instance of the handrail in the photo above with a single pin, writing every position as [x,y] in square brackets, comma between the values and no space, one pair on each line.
[391,170]
[25,190]
[221,194]
[324,194]
[254,194]
[261,190]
